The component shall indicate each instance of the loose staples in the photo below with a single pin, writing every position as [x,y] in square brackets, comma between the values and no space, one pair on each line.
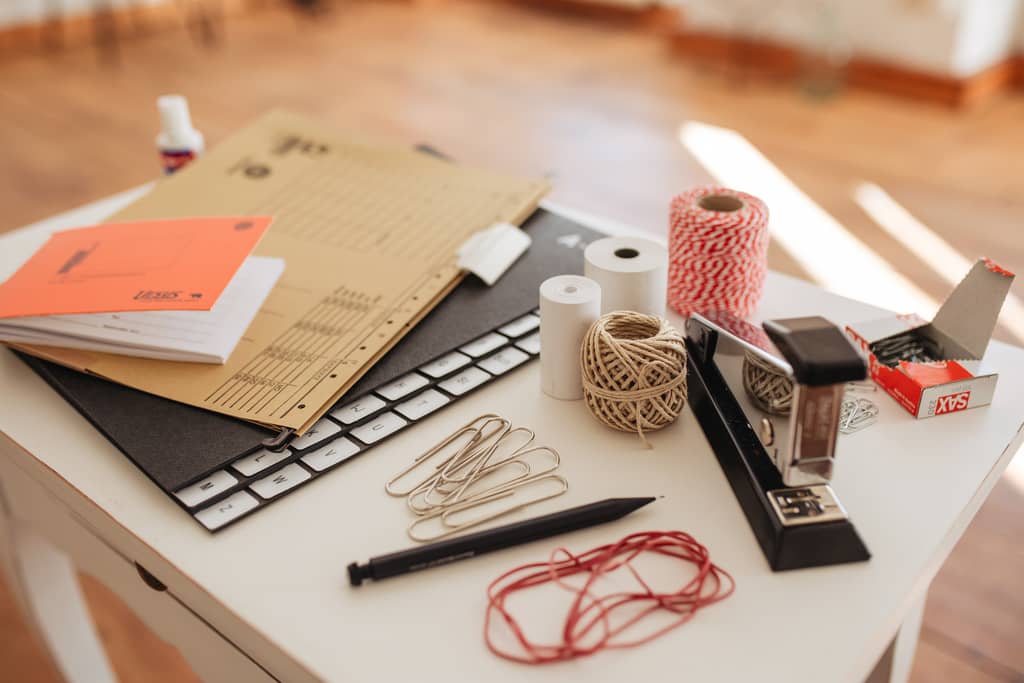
[933,368]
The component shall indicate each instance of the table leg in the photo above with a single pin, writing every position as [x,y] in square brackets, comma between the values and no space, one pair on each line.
[906,642]
[43,579]
[895,665]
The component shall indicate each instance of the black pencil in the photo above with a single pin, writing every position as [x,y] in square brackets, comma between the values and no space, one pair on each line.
[471,545]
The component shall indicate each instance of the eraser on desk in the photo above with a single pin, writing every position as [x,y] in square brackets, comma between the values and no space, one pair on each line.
[490,252]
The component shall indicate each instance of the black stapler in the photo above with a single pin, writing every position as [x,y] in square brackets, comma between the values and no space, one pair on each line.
[779,467]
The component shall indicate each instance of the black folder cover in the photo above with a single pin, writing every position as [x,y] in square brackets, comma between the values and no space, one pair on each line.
[176,444]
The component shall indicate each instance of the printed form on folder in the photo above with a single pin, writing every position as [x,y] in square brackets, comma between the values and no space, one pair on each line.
[369,234]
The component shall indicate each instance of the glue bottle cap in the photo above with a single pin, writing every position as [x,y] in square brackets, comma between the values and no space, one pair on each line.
[176,124]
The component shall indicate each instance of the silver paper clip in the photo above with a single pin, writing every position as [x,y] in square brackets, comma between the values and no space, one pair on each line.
[484,461]
[856,414]
[448,526]
[476,434]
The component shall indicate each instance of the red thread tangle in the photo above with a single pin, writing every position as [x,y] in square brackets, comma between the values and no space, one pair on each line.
[589,625]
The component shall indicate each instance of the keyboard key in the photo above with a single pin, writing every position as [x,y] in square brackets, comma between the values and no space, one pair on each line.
[484,345]
[445,364]
[422,404]
[336,451]
[357,410]
[504,360]
[232,507]
[531,344]
[518,328]
[403,386]
[464,381]
[259,461]
[378,428]
[320,432]
[277,483]
[218,482]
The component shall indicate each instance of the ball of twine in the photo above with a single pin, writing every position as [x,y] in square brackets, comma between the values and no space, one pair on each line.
[634,372]
[769,388]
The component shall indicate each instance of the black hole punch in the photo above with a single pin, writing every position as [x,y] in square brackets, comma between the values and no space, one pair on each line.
[301,406]
[627,252]
[243,225]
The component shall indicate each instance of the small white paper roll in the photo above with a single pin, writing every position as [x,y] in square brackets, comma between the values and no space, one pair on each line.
[569,305]
[632,273]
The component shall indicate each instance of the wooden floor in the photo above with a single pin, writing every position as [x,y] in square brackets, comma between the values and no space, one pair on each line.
[596,105]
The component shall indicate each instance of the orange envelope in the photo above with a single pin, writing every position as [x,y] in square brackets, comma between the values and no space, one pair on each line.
[179,264]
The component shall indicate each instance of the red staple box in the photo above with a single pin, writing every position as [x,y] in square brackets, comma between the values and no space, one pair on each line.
[933,368]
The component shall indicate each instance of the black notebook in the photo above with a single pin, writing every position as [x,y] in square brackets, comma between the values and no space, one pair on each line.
[177,445]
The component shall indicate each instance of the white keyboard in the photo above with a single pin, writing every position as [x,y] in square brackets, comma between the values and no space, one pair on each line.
[357,424]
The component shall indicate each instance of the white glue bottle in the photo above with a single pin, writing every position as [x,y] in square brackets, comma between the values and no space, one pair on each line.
[178,142]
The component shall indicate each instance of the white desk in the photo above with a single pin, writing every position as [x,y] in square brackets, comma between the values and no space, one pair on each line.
[268,597]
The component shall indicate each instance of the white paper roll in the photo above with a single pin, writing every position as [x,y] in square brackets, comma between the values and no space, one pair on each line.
[569,305]
[632,273]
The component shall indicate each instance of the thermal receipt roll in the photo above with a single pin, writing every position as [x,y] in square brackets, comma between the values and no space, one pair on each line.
[632,273]
[569,305]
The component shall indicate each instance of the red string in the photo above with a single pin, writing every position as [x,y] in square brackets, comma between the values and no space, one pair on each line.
[591,624]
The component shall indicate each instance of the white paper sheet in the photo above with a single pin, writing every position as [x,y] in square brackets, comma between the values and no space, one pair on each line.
[197,336]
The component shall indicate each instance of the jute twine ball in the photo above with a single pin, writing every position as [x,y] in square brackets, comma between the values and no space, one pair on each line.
[634,372]
[768,387]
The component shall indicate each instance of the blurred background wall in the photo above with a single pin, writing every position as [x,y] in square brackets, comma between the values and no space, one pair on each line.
[956,38]
[27,12]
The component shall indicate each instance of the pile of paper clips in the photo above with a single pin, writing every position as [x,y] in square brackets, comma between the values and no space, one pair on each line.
[484,470]
[857,412]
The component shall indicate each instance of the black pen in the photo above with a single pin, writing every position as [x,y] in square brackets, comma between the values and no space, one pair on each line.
[471,545]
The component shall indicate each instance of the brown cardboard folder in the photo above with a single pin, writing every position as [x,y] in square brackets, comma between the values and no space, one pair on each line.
[368,234]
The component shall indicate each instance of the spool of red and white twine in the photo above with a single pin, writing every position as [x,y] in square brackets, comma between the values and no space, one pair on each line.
[717,251]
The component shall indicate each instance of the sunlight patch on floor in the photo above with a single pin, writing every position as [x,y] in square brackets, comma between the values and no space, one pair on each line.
[834,257]
[930,248]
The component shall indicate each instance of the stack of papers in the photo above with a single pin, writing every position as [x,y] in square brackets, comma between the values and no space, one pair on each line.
[182,290]
[369,233]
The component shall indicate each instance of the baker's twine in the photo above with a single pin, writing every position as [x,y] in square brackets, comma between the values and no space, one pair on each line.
[769,388]
[718,251]
[634,372]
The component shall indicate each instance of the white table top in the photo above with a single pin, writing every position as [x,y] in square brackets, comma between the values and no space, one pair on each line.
[910,487]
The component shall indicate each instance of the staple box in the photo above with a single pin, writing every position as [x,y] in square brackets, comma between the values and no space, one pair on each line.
[933,368]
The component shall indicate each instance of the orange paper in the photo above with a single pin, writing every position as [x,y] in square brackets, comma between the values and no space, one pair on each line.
[180,264]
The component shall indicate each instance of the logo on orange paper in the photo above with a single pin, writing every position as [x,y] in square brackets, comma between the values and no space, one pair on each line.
[156,295]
